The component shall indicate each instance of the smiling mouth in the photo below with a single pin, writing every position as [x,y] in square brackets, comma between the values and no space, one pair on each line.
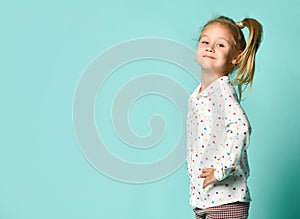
[210,57]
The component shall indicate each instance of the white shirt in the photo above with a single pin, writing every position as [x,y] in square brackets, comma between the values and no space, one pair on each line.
[217,137]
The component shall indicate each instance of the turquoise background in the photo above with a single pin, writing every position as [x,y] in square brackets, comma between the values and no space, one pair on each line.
[45,47]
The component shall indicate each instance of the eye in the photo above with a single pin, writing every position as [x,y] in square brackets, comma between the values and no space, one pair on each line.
[204,42]
[220,45]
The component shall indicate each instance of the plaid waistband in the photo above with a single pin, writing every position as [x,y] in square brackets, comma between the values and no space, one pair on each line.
[237,210]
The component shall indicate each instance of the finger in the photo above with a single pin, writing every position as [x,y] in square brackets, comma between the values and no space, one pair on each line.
[205,170]
[205,183]
[204,175]
[208,170]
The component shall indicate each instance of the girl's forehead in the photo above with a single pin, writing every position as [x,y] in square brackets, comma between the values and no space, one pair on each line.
[219,31]
[216,28]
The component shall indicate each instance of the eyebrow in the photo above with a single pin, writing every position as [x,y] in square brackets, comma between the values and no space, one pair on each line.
[218,38]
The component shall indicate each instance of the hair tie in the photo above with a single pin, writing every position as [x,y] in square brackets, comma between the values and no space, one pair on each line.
[240,24]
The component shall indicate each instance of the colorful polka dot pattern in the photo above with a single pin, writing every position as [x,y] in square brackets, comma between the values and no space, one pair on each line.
[217,137]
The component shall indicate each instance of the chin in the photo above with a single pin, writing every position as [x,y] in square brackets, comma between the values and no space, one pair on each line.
[203,63]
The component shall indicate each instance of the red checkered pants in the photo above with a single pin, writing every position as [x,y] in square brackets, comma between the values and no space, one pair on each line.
[237,210]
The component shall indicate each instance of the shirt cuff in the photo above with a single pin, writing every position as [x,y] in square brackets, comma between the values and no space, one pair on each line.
[218,174]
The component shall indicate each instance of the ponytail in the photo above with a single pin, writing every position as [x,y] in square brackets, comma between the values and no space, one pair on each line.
[246,64]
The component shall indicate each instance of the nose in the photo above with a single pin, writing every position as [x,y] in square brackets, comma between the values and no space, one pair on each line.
[209,49]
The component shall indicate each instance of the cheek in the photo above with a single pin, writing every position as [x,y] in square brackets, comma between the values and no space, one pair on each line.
[226,56]
[199,49]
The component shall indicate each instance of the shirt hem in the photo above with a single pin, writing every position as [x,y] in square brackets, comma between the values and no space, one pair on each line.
[219,203]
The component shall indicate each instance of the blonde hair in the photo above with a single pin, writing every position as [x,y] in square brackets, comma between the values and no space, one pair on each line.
[246,64]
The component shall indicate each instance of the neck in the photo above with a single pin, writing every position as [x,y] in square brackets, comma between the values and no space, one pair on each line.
[207,77]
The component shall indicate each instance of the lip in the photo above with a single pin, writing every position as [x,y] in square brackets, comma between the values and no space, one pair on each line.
[207,56]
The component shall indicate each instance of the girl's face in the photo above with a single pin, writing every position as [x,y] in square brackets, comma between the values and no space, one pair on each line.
[216,51]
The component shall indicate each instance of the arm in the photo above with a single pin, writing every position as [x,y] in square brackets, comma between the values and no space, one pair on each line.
[236,140]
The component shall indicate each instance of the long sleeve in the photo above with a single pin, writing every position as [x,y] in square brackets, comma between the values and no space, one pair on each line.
[234,145]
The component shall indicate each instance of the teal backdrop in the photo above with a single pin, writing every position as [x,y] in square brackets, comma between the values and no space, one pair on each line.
[44,49]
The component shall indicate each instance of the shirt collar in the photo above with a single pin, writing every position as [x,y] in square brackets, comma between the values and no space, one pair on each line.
[213,86]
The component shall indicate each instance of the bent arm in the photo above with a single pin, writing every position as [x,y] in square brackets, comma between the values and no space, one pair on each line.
[233,146]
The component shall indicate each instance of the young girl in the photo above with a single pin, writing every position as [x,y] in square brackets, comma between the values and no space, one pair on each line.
[217,127]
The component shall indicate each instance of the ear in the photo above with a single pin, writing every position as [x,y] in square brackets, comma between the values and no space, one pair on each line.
[237,58]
